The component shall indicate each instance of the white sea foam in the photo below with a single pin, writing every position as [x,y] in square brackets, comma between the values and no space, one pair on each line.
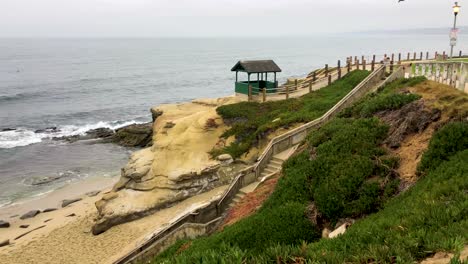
[23,137]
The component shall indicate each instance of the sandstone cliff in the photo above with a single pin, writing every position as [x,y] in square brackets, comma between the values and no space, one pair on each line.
[175,167]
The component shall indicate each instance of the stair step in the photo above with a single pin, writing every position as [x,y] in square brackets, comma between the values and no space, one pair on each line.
[273,166]
[277,159]
[276,163]
[269,171]
[239,195]
[236,200]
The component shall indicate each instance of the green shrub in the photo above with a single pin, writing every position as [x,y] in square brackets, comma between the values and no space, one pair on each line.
[347,152]
[251,121]
[446,142]
[384,99]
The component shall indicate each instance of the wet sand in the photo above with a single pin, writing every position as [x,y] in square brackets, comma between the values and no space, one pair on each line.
[69,239]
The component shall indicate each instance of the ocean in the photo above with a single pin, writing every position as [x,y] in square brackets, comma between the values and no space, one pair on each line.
[80,84]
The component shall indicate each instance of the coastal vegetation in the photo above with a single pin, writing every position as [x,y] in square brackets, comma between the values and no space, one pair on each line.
[251,121]
[343,172]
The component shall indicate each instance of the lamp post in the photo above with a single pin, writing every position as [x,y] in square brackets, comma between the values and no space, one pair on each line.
[453,35]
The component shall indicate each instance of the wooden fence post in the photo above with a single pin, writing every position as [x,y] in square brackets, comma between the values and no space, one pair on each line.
[295,84]
[443,55]
[372,65]
[399,58]
[314,76]
[391,66]
[264,94]
[326,69]
[339,69]
[287,91]
[310,87]
[414,56]
[435,57]
[421,56]
[393,57]
[460,55]
[408,58]
[250,93]
[357,64]
[362,58]
[364,64]
[329,79]
[427,55]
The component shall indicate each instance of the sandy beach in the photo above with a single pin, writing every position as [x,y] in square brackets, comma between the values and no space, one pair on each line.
[64,235]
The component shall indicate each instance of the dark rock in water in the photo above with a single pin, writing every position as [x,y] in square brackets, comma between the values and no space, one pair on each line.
[136,135]
[4,224]
[97,133]
[24,226]
[100,132]
[45,180]
[92,194]
[30,214]
[4,243]
[70,201]
[49,210]
[48,130]
[8,129]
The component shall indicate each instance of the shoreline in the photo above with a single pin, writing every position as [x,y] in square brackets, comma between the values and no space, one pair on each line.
[69,239]
[47,222]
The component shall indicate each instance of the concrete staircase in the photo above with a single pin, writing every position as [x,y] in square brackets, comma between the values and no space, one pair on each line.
[273,167]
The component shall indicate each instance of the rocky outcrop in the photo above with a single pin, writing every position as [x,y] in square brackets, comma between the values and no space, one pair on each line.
[4,224]
[30,214]
[67,202]
[137,135]
[177,165]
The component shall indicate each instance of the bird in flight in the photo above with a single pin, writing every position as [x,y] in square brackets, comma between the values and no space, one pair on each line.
[400,1]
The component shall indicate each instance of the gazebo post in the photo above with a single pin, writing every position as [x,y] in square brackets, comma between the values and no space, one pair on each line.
[248,79]
[275,80]
[237,73]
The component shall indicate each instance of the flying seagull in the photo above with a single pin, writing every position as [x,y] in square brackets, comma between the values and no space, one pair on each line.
[400,1]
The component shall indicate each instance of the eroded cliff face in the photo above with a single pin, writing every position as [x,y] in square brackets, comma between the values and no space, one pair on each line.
[175,167]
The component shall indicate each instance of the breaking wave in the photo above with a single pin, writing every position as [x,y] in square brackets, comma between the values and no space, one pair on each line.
[24,137]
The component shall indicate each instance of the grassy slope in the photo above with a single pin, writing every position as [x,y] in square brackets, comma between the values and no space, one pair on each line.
[341,179]
[251,120]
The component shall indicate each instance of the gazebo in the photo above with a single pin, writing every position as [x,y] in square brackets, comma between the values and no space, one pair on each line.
[261,68]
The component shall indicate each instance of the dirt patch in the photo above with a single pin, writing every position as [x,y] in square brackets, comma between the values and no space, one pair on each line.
[412,126]
[444,257]
[411,119]
[250,203]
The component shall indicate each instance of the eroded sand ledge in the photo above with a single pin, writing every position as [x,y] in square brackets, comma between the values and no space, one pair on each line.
[177,165]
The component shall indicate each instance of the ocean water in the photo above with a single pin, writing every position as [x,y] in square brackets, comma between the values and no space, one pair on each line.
[80,84]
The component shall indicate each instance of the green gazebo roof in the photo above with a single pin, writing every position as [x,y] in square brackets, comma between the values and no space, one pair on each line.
[256,66]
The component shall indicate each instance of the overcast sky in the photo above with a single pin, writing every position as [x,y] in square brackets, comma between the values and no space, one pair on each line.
[205,18]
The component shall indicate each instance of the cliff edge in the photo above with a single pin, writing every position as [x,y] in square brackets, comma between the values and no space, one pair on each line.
[177,165]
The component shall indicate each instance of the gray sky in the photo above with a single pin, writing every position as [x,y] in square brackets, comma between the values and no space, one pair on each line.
[193,18]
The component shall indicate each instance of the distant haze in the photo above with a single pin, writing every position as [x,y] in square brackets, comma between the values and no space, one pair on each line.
[218,18]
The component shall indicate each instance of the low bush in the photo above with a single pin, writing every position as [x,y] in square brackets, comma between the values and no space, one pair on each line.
[251,121]
[385,99]
[449,140]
